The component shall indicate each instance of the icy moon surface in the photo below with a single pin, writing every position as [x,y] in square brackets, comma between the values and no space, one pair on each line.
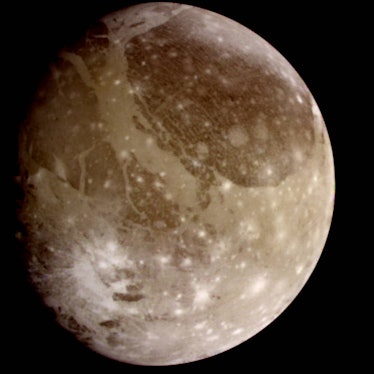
[178,185]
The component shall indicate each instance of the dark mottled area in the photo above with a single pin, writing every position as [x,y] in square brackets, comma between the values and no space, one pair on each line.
[136,287]
[237,91]
[64,129]
[93,48]
[110,323]
[82,332]
[149,204]
[129,297]
[113,340]
[102,166]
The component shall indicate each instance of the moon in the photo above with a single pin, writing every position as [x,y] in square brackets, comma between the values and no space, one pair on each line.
[178,185]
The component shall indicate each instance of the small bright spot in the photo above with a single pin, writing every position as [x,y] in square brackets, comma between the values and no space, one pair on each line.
[201,297]
[281,234]
[201,234]
[158,184]
[107,183]
[237,331]
[168,196]
[298,155]
[111,246]
[103,265]
[173,54]
[124,154]
[196,163]
[258,285]
[226,186]
[274,204]
[178,312]
[70,220]
[186,262]
[149,141]
[269,171]
[224,325]
[117,82]
[164,259]
[200,325]
[38,175]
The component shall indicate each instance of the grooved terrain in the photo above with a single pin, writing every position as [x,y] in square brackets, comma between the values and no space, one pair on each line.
[178,185]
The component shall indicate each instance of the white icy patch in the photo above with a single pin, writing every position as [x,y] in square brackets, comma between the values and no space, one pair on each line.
[257,285]
[60,168]
[90,287]
[139,19]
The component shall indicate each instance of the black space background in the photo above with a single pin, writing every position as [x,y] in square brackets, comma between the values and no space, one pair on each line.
[326,326]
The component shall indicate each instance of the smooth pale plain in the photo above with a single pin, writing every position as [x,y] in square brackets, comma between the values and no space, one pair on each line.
[178,185]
